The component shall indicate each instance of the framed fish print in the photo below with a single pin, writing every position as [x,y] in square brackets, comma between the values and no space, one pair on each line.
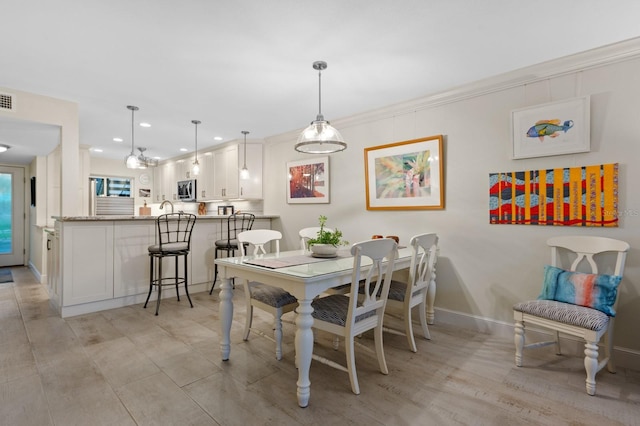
[405,175]
[554,128]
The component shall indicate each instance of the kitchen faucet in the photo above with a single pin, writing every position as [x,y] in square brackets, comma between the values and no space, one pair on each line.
[167,202]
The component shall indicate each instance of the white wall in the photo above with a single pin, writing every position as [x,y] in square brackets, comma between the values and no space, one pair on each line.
[484,269]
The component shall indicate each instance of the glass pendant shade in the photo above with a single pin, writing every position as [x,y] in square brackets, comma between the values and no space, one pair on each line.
[132,161]
[320,137]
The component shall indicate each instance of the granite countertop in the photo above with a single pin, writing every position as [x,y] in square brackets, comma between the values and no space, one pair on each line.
[128,217]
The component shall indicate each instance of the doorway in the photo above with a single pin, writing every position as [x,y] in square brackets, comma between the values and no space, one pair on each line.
[11,216]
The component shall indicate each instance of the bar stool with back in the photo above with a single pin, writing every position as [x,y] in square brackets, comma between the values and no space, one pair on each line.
[236,223]
[173,239]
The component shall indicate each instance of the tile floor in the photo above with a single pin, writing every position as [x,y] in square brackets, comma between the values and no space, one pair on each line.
[128,367]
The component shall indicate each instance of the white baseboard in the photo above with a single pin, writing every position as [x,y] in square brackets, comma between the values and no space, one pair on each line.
[102,305]
[42,278]
[624,357]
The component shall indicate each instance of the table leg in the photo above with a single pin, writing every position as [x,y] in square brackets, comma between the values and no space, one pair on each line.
[304,350]
[226,315]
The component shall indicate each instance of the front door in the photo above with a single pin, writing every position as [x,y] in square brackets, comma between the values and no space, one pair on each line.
[11,216]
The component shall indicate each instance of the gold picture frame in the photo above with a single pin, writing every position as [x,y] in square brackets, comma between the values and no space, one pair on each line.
[405,175]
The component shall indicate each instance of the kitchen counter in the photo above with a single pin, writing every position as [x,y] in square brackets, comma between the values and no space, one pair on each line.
[128,217]
[102,262]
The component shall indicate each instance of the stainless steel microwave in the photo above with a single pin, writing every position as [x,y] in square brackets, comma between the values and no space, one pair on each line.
[187,190]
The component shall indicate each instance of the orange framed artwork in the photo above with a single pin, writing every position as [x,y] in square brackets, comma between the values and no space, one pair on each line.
[405,175]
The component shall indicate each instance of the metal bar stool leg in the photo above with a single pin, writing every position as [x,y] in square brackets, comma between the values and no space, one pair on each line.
[159,280]
[150,280]
[186,279]
[177,276]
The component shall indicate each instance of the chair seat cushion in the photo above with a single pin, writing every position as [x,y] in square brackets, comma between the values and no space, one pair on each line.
[334,309]
[228,244]
[169,248]
[397,290]
[566,313]
[271,296]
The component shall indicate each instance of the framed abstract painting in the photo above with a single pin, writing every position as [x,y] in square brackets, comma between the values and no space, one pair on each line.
[308,181]
[405,175]
[553,128]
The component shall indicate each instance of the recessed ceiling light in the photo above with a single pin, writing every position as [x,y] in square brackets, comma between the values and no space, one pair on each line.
[217,138]
[145,125]
[96,149]
[118,140]
[3,147]
[183,149]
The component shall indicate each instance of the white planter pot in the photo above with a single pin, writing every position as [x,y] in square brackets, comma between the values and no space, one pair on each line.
[324,249]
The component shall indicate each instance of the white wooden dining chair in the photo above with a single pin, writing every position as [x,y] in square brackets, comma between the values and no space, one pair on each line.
[345,316]
[307,233]
[274,300]
[575,303]
[404,296]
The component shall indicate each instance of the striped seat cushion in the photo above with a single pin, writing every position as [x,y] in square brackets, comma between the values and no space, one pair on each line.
[397,290]
[334,309]
[566,313]
[271,296]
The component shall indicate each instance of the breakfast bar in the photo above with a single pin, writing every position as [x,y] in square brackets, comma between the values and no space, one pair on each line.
[101,262]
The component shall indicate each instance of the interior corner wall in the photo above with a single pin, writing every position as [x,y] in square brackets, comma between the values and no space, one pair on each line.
[43,109]
[483,269]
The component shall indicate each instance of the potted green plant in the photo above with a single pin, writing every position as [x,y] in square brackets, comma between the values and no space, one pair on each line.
[327,242]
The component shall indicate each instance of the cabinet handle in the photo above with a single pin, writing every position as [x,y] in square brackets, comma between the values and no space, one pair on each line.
[48,244]
[241,191]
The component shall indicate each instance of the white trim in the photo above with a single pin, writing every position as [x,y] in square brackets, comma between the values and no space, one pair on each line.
[137,299]
[624,357]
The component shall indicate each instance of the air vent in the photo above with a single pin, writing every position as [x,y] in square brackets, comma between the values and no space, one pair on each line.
[6,102]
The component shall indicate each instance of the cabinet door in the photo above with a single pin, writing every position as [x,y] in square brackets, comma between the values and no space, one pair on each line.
[169,182]
[203,237]
[226,172]
[251,188]
[131,257]
[205,179]
[158,184]
[87,263]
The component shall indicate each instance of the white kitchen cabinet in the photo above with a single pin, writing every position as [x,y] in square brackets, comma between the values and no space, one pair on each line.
[169,179]
[53,268]
[158,184]
[205,179]
[226,172]
[87,262]
[164,182]
[251,188]
[204,235]
[130,252]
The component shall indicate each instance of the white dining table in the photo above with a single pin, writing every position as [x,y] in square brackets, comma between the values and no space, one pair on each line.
[305,281]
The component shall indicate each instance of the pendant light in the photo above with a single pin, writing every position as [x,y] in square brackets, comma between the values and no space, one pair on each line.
[320,137]
[196,166]
[132,160]
[244,172]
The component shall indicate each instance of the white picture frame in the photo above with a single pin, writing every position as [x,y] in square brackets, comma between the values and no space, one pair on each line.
[554,128]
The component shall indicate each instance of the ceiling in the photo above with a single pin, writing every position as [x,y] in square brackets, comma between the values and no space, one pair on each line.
[247,64]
